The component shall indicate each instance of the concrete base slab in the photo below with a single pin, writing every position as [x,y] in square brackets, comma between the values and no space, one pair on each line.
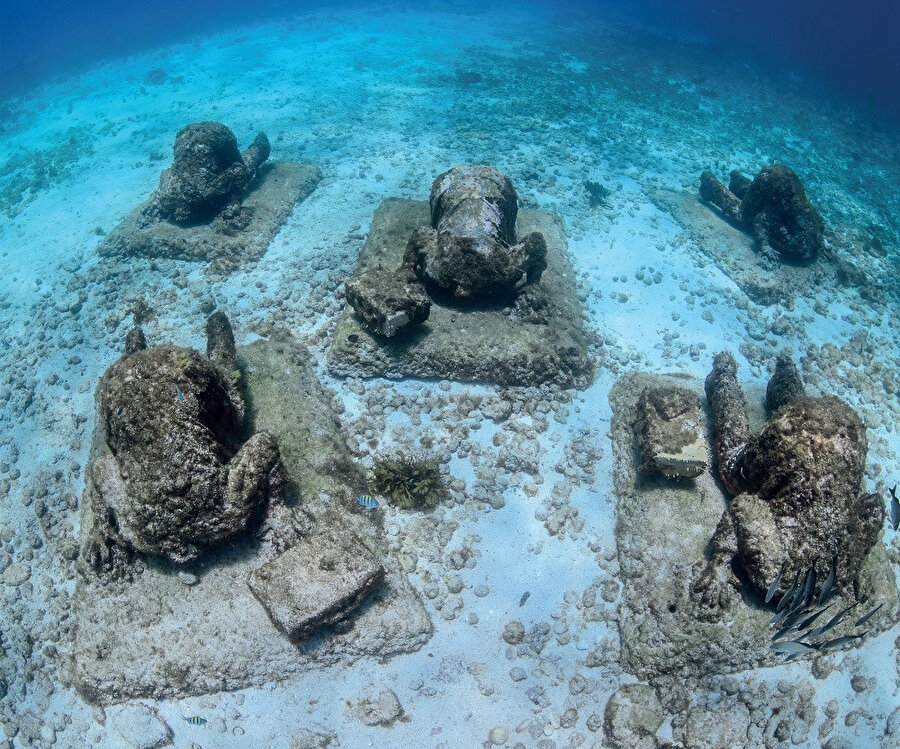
[273,193]
[474,344]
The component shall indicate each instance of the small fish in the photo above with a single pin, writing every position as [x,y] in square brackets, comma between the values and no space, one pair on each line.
[833,622]
[782,632]
[863,619]
[800,595]
[810,620]
[369,502]
[838,642]
[810,587]
[794,616]
[178,394]
[793,647]
[829,581]
[895,509]
[195,720]
[786,598]
[524,597]
[770,593]
[791,622]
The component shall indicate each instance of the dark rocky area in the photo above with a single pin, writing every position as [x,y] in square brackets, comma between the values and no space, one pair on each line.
[774,208]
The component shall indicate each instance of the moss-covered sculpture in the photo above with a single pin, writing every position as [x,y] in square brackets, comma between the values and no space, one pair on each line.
[177,479]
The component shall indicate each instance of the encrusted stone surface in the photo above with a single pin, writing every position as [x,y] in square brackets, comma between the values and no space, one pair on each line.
[155,636]
[207,173]
[662,531]
[390,301]
[232,237]
[470,249]
[781,218]
[670,434]
[773,207]
[175,478]
[798,486]
[317,582]
[542,339]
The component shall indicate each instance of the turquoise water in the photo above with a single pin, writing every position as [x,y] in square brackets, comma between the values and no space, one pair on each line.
[382,102]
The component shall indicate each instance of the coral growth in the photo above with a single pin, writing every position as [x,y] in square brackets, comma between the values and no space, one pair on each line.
[409,481]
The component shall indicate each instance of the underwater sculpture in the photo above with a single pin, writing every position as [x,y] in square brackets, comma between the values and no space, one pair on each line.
[213,203]
[177,480]
[797,486]
[774,208]
[470,249]
[506,313]
[208,173]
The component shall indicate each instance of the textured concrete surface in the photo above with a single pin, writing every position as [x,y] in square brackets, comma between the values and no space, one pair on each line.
[476,344]
[270,200]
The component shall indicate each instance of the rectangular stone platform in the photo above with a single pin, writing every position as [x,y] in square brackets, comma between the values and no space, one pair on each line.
[467,343]
[735,254]
[157,636]
[275,190]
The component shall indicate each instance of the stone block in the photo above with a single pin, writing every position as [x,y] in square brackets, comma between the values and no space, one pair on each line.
[316,583]
[389,301]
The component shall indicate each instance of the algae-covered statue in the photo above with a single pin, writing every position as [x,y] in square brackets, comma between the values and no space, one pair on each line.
[470,250]
[176,480]
[208,174]
[774,208]
[797,486]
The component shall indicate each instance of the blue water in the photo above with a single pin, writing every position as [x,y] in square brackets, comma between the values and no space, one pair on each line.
[853,46]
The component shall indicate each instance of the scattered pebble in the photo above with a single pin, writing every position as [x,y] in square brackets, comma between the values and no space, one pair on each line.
[499,735]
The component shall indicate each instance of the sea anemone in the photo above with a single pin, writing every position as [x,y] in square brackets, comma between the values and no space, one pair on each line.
[409,481]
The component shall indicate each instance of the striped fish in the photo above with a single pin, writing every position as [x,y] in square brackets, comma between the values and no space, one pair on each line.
[369,502]
[195,720]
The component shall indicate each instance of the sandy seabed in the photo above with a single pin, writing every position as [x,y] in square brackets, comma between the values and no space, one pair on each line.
[382,102]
